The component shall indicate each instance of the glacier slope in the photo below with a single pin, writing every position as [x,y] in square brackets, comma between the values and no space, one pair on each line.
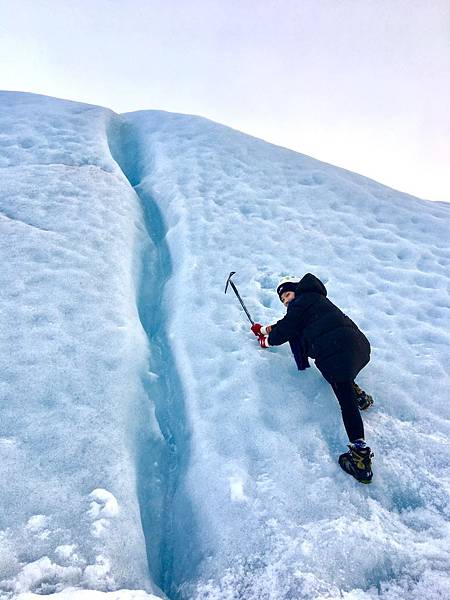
[134,393]
[278,519]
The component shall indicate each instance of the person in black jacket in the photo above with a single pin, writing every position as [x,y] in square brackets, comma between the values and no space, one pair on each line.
[316,328]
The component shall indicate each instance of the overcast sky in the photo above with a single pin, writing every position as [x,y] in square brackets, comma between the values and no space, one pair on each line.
[363,84]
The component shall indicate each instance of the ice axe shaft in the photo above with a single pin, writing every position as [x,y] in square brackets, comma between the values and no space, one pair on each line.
[237,294]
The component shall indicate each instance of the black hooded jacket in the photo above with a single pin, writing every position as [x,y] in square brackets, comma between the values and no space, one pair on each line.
[316,328]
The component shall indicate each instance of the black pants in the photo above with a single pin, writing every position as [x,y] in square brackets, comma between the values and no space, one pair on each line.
[351,416]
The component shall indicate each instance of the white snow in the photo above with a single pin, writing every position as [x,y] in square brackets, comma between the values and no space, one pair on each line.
[146,440]
[103,504]
[77,594]
[71,351]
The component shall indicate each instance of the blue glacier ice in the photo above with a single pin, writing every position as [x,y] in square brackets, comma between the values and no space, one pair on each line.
[149,447]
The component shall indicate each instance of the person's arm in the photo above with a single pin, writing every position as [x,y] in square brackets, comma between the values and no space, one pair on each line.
[288,327]
[280,332]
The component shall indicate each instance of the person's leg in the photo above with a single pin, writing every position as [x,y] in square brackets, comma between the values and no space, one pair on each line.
[350,412]
[357,461]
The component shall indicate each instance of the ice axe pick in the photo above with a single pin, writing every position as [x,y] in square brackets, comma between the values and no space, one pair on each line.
[237,294]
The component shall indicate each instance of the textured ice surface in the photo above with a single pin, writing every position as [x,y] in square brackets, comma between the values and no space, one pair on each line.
[276,518]
[71,349]
[77,594]
[135,403]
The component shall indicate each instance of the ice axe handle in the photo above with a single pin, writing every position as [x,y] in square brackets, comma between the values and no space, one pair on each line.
[238,296]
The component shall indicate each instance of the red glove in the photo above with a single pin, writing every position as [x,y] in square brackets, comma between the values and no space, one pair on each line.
[256,328]
[263,341]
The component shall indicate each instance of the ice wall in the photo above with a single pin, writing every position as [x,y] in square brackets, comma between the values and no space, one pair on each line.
[145,437]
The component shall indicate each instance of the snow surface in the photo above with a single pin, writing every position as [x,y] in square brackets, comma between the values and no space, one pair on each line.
[146,440]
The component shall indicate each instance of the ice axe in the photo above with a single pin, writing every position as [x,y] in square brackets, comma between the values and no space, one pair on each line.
[237,294]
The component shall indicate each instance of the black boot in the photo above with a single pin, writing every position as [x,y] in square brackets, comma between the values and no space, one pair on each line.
[357,462]
[362,398]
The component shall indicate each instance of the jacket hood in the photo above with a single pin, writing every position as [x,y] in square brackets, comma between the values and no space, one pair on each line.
[310,283]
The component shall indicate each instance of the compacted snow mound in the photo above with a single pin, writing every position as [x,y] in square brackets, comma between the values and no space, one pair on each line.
[146,438]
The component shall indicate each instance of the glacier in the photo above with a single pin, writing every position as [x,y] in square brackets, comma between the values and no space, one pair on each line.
[149,447]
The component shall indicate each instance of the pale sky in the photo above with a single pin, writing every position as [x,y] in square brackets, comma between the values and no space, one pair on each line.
[362,84]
